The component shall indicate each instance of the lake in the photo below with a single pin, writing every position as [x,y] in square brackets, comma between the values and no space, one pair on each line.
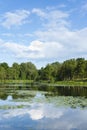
[43,108]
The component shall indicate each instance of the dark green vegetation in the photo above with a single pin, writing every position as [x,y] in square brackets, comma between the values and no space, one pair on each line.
[23,71]
[70,70]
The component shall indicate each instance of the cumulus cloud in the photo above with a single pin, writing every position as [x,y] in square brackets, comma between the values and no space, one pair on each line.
[35,50]
[51,45]
[38,12]
[15,18]
[36,45]
[53,40]
[69,43]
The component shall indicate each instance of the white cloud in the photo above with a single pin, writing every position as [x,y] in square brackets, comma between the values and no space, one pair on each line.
[68,43]
[52,18]
[52,49]
[57,35]
[65,43]
[23,51]
[15,18]
[38,12]
[57,14]
[57,44]
[52,14]
[54,40]
[35,50]
[36,46]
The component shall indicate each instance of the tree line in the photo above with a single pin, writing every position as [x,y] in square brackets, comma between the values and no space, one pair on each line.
[68,70]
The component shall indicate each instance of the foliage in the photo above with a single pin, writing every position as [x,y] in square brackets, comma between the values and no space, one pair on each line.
[18,72]
[73,69]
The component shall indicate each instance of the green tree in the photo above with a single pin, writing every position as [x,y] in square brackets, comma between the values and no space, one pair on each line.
[40,74]
[67,69]
[23,69]
[5,66]
[31,72]
[55,70]
[80,68]
[2,73]
[16,70]
[28,71]
[47,75]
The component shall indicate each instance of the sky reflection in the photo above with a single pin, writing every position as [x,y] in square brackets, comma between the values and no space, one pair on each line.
[42,116]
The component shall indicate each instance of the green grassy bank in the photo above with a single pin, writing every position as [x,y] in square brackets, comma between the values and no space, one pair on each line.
[58,83]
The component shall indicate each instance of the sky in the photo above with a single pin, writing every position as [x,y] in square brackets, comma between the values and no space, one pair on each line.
[42,31]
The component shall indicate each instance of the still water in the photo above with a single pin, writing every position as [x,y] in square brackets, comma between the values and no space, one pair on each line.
[52,109]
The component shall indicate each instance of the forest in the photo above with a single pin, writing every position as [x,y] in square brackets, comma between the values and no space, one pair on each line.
[71,69]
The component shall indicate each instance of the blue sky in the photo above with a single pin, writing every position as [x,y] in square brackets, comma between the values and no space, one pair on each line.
[42,31]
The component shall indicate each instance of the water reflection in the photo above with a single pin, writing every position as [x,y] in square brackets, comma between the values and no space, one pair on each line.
[37,110]
[53,90]
[43,116]
[72,91]
[9,98]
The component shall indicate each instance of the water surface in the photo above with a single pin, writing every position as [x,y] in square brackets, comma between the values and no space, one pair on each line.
[51,109]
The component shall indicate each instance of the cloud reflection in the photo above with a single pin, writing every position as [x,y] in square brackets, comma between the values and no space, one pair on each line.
[35,112]
[46,116]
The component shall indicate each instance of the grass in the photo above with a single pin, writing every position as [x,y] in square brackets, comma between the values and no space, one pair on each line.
[72,83]
[16,81]
[57,83]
